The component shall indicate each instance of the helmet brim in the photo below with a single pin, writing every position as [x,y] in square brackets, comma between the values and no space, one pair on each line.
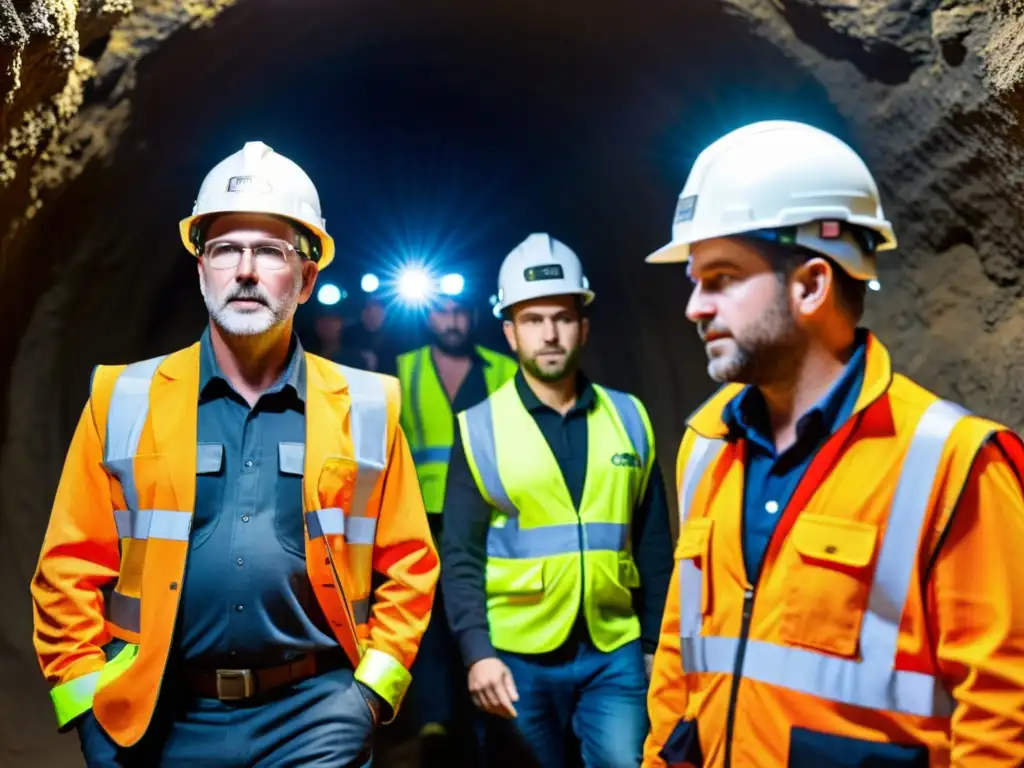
[673,253]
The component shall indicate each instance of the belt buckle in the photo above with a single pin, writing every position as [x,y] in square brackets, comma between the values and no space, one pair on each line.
[228,686]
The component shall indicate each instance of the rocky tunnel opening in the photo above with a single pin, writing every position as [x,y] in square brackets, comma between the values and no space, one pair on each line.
[451,130]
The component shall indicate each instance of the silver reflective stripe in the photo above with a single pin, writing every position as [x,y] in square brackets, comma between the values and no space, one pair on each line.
[419,436]
[480,426]
[879,635]
[369,419]
[701,455]
[704,450]
[631,419]
[862,684]
[124,611]
[871,680]
[509,541]
[334,522]
[129,407]
[361,610]
[152,524]
[368,416]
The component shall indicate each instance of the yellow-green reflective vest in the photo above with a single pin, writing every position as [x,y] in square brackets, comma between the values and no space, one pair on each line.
[427,418]
[544,555]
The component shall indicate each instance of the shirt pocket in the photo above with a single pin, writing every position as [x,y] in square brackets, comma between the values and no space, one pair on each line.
[828,585]
[209,491]
[693,559]
[289,519]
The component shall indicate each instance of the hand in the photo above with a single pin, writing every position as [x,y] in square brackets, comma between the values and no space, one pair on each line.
[649,665]
[492,688]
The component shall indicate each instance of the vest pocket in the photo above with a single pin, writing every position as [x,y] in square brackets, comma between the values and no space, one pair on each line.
[515,580]
[629,575]
[682,748]
[694,544]
[828,585]
[811,749]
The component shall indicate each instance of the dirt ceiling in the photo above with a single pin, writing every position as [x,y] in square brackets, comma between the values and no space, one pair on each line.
[496,119]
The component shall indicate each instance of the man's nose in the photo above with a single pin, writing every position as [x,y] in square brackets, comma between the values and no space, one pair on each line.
[246,272]
[698,307]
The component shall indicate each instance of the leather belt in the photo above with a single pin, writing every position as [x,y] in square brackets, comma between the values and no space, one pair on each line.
[239,684]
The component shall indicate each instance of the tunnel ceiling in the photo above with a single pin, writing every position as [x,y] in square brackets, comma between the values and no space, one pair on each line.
[456,128]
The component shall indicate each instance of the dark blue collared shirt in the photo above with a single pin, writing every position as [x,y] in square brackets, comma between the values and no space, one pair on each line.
[247,600]
[771,479]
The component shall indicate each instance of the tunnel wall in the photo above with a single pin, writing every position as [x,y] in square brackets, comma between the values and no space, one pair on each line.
[929,90]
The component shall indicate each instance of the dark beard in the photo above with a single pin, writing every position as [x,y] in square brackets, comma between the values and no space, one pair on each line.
[459,349]
[568,368]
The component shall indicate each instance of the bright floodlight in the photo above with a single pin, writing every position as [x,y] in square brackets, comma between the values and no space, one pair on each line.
[414,284]
[328,294]
[874,285]
[369,283]
[452,284]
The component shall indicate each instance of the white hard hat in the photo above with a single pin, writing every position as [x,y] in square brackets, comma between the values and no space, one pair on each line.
[537,267]
[256,179]
[782,175]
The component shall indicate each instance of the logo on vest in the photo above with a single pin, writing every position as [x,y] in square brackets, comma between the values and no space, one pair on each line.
[626,460]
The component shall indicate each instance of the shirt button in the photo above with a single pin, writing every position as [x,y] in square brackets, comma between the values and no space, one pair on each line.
[238,608]
[245,518]
[239,561]
[248,462]
[771,507]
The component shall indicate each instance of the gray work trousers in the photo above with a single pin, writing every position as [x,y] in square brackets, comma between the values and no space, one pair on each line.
[320,721]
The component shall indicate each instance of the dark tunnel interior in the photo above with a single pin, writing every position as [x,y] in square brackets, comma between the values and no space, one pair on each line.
[446,131]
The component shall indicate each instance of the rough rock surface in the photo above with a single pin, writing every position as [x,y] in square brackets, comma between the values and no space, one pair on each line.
[931,91]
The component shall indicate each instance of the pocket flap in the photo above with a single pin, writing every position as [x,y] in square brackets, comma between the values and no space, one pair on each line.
[629,574]
[693,539]
[844,542]
[291,458]
[209,458]
[515,578]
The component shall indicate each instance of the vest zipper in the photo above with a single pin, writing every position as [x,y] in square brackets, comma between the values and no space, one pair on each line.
[737,671]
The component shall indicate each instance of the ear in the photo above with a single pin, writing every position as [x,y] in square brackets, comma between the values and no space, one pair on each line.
[510,335]
[810,286]
[309,275]
[584,330]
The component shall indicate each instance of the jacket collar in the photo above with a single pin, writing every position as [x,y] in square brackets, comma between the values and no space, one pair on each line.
[709,419]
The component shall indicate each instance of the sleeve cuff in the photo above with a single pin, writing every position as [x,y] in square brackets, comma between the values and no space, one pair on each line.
[73,698]
[385,676]
[475,644]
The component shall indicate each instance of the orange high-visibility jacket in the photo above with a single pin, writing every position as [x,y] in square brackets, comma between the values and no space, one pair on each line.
[887,623]
[113,558]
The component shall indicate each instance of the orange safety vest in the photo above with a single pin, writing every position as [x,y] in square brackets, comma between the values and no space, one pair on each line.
[146,417]
[832,638]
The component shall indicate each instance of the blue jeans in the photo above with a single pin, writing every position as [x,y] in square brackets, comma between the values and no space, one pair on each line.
[319,721]
[600,697]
